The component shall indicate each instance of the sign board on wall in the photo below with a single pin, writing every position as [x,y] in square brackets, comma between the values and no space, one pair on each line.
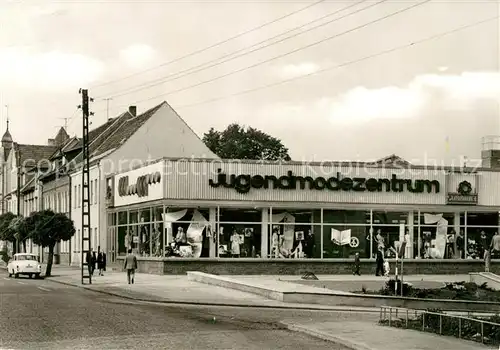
[139,185]
[272,182]
[465,194]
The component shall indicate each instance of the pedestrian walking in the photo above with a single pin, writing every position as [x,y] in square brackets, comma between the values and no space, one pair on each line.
[130,266]
[88,260]
[100,261]
[357,264]
[93,262]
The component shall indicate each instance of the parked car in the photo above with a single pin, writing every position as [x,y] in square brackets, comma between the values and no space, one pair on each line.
[24,264]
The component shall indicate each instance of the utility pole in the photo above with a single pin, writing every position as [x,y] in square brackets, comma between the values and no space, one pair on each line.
[107,107]
[86,228]
[18,190]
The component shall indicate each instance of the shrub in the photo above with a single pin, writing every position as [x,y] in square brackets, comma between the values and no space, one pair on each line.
[5,256]
[390,288]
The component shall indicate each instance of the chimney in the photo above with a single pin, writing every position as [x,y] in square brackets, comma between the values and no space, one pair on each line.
[490,152]
[133,110]
[51,142]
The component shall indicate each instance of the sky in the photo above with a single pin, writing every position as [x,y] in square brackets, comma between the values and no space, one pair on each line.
[329,93]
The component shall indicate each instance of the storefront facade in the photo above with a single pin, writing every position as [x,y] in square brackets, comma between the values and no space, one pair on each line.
[296,211]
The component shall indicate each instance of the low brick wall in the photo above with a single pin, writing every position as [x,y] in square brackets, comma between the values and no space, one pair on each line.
[179,266]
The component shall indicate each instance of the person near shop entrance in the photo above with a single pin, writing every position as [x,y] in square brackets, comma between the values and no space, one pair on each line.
[495,246]
[101,261]
[357,263]
[130,266]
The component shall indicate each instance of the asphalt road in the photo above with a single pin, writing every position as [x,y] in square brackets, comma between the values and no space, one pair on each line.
[39,314]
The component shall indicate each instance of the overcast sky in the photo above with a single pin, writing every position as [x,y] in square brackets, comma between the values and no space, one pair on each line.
[408,102]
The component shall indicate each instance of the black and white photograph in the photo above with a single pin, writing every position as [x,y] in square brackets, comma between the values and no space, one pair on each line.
[250,174]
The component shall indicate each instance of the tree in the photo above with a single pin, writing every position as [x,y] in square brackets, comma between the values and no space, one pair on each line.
[6,232]
[236,142]
[47,229]
[19,225]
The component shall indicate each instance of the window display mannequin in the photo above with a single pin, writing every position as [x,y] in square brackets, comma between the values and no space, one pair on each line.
[144,238]
[235,244]
[275,242]
[380,240]
[128,240]
[181,238]
[156,234]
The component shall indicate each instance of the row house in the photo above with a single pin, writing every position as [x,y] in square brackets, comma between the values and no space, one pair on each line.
[128,141]
[21,165]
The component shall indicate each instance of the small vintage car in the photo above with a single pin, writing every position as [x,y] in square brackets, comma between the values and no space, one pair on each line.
[24,264]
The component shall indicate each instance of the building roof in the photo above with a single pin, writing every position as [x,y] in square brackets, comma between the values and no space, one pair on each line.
[32,156]
[116,132]
[61,137]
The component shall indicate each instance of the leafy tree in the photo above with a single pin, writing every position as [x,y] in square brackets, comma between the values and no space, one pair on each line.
[6,232]
[48,228]
[19,225]
[236,142]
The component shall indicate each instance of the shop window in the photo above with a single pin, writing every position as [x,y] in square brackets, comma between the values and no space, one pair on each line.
[240,215]
[478,240]
[344,241]
[389,218]
[133,217]
[302,216]
[342,217]
[239,240]
[430,218]
[187,232]
[293,241]
[482,219]
[122,245]
[145,215]
[157,214]
[122,218]
[294,233]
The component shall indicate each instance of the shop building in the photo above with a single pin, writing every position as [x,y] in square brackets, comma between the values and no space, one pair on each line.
[295,217]
[129,141]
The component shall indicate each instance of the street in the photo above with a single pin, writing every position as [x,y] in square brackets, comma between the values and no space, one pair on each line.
[42,314]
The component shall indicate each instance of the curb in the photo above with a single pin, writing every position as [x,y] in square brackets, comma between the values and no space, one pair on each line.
[194,303]
[351,345]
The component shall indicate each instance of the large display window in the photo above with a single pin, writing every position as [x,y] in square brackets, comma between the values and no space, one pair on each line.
[345,233]
[292,233]
[239,233]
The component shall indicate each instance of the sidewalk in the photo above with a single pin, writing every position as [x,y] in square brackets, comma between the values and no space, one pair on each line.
[177,290]
[367,336]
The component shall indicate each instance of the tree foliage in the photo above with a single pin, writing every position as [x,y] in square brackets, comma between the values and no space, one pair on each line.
[19,225]
[236,142]
[6,232]
[47,228]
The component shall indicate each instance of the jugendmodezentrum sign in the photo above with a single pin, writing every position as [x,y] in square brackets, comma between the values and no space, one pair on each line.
[243,183]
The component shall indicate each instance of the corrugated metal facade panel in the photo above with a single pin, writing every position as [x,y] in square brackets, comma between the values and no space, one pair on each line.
[489,188]
[190,180]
